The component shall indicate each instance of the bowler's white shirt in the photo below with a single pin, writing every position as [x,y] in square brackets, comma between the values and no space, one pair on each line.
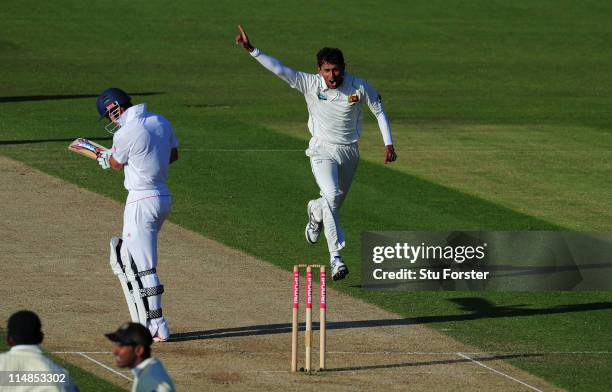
[150,375]
[29,357]
[334,115]
[143,144]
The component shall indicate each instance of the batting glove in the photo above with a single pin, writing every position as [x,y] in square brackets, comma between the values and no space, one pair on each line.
[103,159]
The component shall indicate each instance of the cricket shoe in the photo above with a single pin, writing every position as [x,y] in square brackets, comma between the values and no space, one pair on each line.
[159,339]
[338,269]
[313,227]
[159,329]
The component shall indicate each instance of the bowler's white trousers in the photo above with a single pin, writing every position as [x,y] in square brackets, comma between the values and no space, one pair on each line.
[333,167]
[143,216]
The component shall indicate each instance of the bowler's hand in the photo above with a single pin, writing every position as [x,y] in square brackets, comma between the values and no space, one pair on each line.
[243,40]
[390,154]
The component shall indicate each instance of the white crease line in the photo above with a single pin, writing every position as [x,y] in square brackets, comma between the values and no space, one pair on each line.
[265,371]
[81,352]
[409,150]
[199,372]
[242,149]
[473,353]
[400,352]
[498,372]
[428,151]
[389,353]
[104,366]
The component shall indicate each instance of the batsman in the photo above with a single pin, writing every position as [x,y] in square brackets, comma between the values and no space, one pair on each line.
[335,101]
[144,145]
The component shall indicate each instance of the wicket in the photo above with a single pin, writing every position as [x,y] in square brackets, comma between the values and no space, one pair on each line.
[322,309]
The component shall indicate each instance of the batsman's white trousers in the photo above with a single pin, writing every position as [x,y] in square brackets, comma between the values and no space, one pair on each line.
[143,217]
[333,167]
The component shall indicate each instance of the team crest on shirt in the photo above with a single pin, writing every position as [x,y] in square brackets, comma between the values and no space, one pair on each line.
[322,97]
[353,98]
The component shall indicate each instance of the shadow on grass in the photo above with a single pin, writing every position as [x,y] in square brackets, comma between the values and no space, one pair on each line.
[477,308]
[432,363]
[31,98]
[35,141]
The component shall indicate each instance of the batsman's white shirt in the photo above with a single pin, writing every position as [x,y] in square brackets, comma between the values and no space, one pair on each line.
[146,139]
[334,115]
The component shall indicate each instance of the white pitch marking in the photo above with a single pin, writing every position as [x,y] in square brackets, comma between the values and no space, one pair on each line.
[81,352]
[403,352]
[242,149]
[540,152]
[266,371]
[104,366]
[391,353]
[498,372]
[473,353]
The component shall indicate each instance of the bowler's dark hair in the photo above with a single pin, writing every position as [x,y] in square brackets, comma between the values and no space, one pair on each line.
[24,327]
[147,352]
[330,56]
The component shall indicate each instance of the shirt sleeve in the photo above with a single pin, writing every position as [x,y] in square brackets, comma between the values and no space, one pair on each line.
[374,101]
[298,80]
[121,148]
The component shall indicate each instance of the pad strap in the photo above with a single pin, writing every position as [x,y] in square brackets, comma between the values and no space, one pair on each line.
[155,313]
[151,291]
[146,272]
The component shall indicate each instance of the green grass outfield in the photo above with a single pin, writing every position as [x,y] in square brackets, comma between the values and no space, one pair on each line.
[500,113]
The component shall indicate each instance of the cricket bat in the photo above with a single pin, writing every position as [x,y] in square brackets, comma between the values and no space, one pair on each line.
[86,147]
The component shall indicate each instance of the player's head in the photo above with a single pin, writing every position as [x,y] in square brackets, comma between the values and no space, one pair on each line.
[24,327]
[331,66]
[132,344]
[111,103]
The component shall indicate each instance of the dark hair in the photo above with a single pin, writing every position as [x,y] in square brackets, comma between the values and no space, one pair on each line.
[147,352]
[330,56]
[24,327]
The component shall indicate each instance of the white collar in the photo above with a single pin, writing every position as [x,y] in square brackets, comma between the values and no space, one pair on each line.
[26,347]
[132,113]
